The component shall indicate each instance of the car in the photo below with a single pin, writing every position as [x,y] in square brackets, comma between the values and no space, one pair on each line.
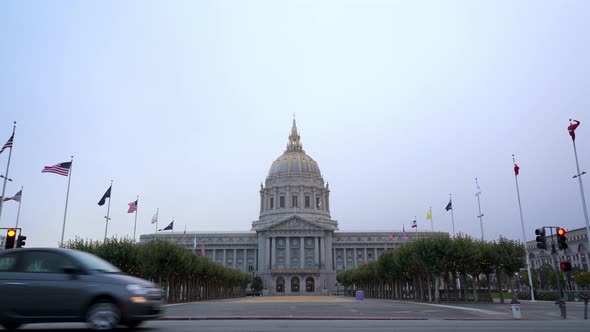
[41,285]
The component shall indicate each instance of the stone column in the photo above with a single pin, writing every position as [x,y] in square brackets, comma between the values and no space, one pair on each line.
[235,259]
[344,258]
[245,260]
[316,256]
[365,259]
[328,263]
[354,258]
[267,254]
[313,195]
[273,252]
[324,255]
[287,253]
[223,257]
[302,252]
[214,256]
[301,198]
[276,198]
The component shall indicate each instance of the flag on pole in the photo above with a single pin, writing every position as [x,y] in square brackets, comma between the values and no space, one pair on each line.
[390,237]
[170,227]
[16,197]
[60,169]
[183,241]
[429,214]
[195,244]
[516,169]
[203,249]
[155,218]
[132,207]
[8,143]
[106,195]
[449,206]
[477,190]
[572,129]
[414,224]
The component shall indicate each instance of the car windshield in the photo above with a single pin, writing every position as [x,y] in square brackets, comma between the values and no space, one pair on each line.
[94,263]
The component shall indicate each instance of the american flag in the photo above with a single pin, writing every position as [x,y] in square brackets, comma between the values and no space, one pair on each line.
[16,197]
[132,207]
[8,144]
[61,168]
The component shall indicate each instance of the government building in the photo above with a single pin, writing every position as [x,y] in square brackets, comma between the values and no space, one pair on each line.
[294,246]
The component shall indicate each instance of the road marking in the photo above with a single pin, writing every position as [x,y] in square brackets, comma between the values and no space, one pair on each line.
[483,311]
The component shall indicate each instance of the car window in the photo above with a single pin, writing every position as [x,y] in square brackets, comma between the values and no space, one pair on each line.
[8,262]
[44,262]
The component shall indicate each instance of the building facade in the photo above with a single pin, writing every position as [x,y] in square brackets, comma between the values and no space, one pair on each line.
[295,246]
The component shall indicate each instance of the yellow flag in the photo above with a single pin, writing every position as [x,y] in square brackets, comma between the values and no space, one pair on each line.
[429,215]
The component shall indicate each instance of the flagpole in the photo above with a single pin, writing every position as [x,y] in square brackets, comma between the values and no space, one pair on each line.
[108,211]
[452,214]
[63,228]
[528,260]
[7,167]
[479,209]
[431,221]
[19,202]
[135,224]
[579,176]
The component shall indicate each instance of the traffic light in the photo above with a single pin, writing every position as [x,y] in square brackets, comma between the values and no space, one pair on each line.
[565,266]
[10,236]
[541,240]
[20,241]
[561,239]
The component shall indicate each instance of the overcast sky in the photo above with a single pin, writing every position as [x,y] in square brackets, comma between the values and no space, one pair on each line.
[187,104]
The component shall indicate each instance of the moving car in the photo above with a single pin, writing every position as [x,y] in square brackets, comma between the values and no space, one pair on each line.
[40,285]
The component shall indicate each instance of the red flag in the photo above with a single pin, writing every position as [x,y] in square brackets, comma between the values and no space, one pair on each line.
[516,169]
[572,129]
[390,238]
[203,248]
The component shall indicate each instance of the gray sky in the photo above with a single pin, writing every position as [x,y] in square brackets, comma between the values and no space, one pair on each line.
[187,103]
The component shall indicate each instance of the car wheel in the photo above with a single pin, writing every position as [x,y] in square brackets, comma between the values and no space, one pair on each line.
[133,324]
[103,316]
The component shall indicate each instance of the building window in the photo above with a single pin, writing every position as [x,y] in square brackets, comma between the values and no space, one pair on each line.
[282,202]
[272,203]
[307,201]
[317,202]
[294,201]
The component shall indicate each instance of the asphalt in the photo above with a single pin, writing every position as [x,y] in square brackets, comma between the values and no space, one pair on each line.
[345,308]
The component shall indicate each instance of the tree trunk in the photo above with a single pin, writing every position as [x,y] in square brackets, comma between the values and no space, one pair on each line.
[499,277]
[437,289]
[429,287]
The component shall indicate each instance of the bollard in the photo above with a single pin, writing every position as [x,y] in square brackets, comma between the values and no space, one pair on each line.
[516,314]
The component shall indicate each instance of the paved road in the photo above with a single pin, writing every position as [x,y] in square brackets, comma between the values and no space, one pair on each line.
[338,326]
[322,313]
[344,307]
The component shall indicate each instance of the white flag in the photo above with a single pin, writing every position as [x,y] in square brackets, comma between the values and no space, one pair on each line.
[195,244]
[477,190]
[155,218]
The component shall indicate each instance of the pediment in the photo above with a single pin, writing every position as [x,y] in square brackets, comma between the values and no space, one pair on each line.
[295,223]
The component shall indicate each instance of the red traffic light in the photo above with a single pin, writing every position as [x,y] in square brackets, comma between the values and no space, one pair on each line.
[561,231]
[565,266]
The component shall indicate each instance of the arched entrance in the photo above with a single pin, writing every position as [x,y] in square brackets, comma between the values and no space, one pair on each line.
[294,285]
[280,285]
[309,284]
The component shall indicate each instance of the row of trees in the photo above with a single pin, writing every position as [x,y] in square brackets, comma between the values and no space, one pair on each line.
[455,266]
[182,275]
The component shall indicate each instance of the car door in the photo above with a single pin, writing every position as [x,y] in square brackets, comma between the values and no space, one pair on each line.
[50,292]
[11,285]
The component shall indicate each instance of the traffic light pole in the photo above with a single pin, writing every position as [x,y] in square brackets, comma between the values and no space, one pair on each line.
[560,301]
